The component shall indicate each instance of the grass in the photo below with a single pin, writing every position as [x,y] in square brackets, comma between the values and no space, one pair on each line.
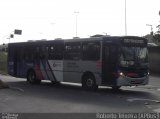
[3,62]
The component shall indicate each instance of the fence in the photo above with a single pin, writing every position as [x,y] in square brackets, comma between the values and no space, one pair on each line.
[154,59]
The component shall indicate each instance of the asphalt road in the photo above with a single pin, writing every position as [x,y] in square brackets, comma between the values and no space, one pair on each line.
[23,97]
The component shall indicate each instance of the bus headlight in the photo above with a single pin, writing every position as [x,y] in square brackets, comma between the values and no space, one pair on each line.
[121,73]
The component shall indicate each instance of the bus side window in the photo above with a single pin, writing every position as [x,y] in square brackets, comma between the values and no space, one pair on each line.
[25,54]
[47,51]
[55,52]
[58,52]
[51,52]
[36,55]
[31,54]
[20,54]
[106,53]
[91,51]
[72,51]
[113,54]
[28,53]
[10,53]
[43,52]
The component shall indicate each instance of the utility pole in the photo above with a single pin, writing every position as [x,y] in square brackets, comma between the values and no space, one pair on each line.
[151,28]
[125,11]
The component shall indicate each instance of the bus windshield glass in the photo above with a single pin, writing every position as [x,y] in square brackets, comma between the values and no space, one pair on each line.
[133,55]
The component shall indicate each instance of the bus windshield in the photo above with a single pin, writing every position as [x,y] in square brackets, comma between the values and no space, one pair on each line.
[133,55]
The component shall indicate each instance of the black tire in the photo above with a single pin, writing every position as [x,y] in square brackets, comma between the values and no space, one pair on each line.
[89,82]
[31,78]
[55,82]
[116,88]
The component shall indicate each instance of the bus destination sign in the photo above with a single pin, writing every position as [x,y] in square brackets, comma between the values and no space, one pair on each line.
[134,41]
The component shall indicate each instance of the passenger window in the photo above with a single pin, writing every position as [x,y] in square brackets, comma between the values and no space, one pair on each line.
[55,52]
[91,51]
[72,51]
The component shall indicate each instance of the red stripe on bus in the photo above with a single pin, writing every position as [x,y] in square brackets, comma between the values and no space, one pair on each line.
[38,72]
[99,65]
[131,74]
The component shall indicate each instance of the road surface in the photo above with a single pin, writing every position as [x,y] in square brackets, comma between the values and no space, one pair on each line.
[23,97]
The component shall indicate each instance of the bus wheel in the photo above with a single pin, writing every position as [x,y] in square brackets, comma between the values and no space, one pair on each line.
[55,82]
[116,88]
[89,83]
[31,78]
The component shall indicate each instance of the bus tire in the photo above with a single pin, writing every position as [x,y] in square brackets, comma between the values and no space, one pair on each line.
[31,77]
[89,82]
[56,82]
[116,88]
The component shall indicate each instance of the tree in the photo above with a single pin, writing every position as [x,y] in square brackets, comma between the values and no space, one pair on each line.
[157,38]
[158,32]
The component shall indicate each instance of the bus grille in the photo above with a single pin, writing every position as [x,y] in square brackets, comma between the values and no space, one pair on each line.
[136,82]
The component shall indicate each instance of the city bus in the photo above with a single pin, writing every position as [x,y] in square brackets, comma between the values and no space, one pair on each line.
[112,61]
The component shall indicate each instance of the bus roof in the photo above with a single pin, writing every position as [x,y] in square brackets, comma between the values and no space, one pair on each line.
[99,38]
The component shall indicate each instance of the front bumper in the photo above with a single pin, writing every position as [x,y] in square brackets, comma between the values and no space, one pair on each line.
[128,81]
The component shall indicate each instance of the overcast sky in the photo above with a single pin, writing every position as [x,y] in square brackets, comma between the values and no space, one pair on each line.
[50,19]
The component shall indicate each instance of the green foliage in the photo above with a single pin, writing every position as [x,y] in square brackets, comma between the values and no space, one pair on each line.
[3,62]
[157,37]
[153,38]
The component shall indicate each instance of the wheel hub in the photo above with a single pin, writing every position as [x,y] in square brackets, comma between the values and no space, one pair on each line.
[89,82]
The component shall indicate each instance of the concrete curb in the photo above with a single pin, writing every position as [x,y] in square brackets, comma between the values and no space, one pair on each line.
[3,85]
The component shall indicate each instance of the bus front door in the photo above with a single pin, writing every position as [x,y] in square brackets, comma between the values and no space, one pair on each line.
[108,66]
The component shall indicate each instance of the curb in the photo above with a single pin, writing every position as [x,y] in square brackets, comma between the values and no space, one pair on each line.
[3,85]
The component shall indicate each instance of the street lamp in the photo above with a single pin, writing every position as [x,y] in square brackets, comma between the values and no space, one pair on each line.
[76,13]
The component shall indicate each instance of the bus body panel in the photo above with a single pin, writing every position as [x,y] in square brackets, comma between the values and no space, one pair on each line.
[74,70]
[57,69]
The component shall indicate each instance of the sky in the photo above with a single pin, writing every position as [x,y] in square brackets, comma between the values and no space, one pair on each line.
[50,19]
